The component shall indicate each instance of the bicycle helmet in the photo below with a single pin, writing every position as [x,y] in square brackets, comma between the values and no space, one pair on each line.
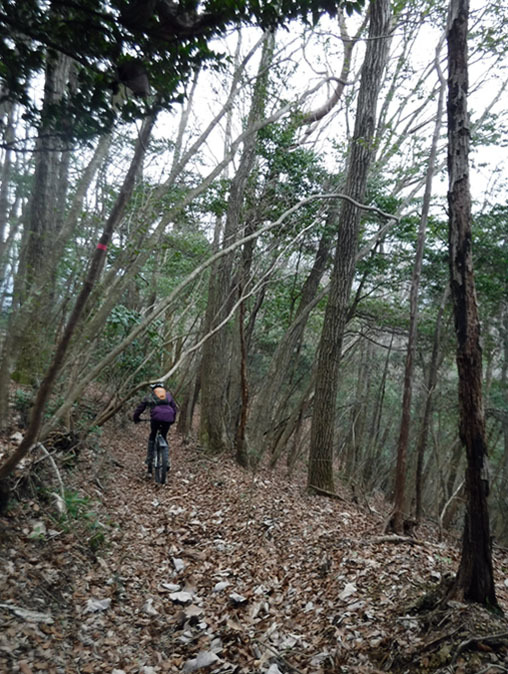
[159,384]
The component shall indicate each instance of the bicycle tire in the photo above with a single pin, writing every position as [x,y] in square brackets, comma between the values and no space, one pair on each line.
[161,461]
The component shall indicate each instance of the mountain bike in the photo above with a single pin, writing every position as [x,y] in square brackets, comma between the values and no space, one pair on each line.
[160,461]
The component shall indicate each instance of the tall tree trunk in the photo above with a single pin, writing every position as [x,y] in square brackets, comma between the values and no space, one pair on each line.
[320,472]
[188,404]
[8,137]
[475,578]
[35,284]
[238,389]
[4,214]
[242,455]
[396,521]
[216,350]
[51,260]
[504,387]
[373,449]
[351,451]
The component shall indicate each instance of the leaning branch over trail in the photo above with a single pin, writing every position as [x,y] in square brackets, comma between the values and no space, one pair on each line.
[94,270]
[164,304]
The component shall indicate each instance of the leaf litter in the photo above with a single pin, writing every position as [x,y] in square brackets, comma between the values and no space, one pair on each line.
[224,570]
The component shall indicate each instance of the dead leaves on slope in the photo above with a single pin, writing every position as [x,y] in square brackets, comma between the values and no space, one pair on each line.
[222,571]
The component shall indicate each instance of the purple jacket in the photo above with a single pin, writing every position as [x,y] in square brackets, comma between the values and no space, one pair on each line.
[160,410]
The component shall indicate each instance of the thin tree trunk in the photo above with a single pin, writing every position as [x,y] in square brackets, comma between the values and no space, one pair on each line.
[396,521]
[292,424]
[265,409]
[427,409]
[475,577]
[8,136]
[242,455]
[504,387]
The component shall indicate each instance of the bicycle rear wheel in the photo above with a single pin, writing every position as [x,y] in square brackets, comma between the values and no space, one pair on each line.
[161,461]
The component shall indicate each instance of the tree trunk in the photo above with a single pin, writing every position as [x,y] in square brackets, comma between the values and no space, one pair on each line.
[375,427]
[320,472]
[396,521]
[242,455]
[265,409]
[8,137]
[475,578]
[430,385]
[36,274]
[355,439]
[214,376]
[504,388]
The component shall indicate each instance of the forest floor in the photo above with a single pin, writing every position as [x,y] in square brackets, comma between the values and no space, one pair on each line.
[223,570]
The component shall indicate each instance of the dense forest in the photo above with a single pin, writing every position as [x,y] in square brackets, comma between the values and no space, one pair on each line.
[256,204]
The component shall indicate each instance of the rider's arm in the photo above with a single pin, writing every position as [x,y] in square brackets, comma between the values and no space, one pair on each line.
[138,411]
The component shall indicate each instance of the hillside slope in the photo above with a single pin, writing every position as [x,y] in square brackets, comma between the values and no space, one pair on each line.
[222,570]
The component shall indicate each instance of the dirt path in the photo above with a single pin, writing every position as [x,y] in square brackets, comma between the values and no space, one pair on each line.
[218,571]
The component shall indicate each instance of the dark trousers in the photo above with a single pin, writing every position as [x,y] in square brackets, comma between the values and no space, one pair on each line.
[162,426]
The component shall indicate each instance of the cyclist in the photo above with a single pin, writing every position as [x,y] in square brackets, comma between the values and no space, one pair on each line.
[163,411]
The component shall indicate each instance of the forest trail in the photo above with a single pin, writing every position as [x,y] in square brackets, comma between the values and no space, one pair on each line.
[222,570]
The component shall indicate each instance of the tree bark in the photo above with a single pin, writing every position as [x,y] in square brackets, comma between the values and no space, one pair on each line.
[320,473]
[373,448]
[36,274]
[242,455]
[425,422]
[396,521]
[214,375]
[475,578]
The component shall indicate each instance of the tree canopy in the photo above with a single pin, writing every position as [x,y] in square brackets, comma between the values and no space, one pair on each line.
[149,47]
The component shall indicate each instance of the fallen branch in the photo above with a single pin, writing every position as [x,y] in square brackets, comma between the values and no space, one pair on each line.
[324,492]
[60,499]
[28,614]
[490,667]
[438,640]
[395,538]
[473,641]
[279,656]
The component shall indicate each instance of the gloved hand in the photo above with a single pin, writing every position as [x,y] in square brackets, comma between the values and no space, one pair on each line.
[136,421]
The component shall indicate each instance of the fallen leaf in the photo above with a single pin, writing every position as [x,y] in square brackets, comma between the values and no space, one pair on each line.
[222,585]
[237,599]
[94,605]
[148,608]
[181,597]
[349,589]
[204,659]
